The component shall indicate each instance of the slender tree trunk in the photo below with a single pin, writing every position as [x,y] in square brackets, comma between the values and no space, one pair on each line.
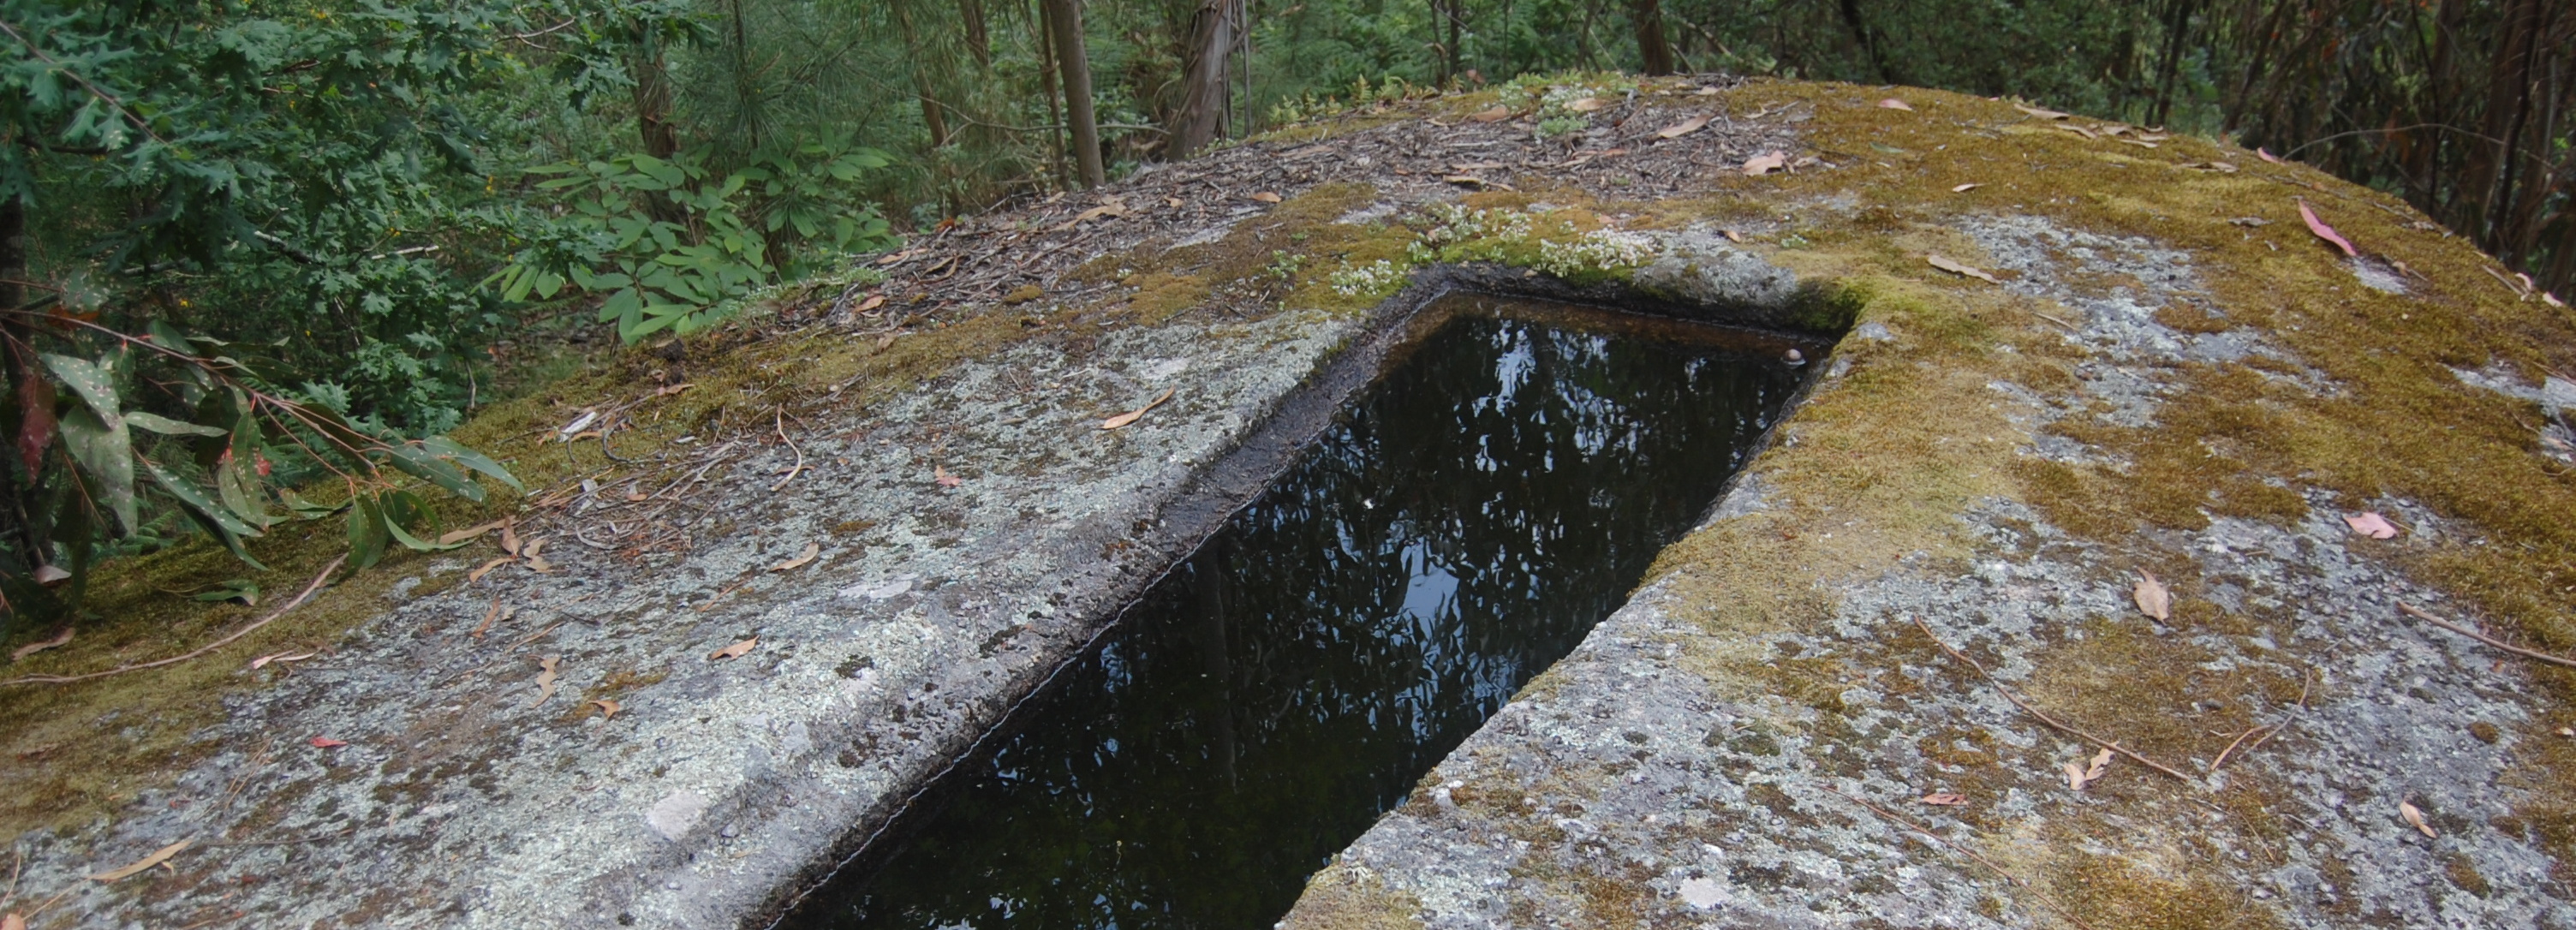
[1046,84]
[979,43]
[1653,49]
[2177,29]
[653,126]
[1214,29]
[931,116]
[1064,19]
[1868,39]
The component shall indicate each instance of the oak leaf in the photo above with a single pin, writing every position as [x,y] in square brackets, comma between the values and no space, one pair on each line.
[546,679]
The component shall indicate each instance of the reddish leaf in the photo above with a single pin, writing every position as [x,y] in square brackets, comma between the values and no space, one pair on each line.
[1943,799]
[35,420]
[2266,155]
[2371,524]
[2324,231]
[325,742]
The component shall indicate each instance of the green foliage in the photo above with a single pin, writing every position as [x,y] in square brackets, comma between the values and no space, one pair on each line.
[724,236]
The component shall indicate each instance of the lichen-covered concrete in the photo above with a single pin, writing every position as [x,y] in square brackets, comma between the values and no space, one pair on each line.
[2166,374]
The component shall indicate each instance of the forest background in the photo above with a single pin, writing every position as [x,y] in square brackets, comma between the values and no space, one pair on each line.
[252,246]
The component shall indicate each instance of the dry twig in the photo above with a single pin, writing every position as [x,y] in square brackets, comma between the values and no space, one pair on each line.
[2268,732]
[318,579]
[2052,722]
[2534,654]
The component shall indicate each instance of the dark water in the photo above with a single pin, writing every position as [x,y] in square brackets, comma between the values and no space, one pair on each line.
[1462,526]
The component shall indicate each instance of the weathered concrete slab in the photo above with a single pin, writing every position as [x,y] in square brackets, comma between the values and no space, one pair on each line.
[2167,375]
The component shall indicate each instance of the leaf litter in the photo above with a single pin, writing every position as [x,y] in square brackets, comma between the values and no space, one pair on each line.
[2151,596]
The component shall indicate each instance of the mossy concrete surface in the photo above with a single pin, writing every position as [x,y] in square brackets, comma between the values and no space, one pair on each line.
[2167,374]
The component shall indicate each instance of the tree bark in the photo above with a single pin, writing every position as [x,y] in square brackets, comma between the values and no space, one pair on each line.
[653,126]
[931,116]
[1653,49]
[970,13]
[1868,39]
[1214,30]
[1064,19]
[1046,85]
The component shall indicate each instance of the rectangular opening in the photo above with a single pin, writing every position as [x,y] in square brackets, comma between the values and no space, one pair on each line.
[1496,492]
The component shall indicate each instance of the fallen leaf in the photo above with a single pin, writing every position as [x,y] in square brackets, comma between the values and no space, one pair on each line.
[607,708]
[263,661]
[1495,115]
[2267,155]
[13,921]
[2415,816]
[1138,413]
[452,537]
[2567,731]
[1265,197]
[884,341]
[1892,103]
[32,648]
[811,549]
[735,651]
[1683,128]
[1479,166]
[2079,130]
[1173,202]
[157,857]
[1463,179]
[2370,523]
[51,575]
[585,419]
[2324,231]
[1943,799]
[670,389]
[1732,235]
[1764,163]
[2551,298]
[940,476]
[2079,776]
[546,679]
[874,301]
[2217,166]
[325,742]
[510,538]
[1964,188]
[1587,104]
[535,564]
[2153,600]
[487,567]
[634,494]
[2042,114]
[1958,268]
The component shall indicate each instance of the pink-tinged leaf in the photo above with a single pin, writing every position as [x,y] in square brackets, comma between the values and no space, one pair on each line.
[1943,799]
[2371,524]
[1892,103]
[325,742]
[2324,231]
[1765,163]
[2268,156]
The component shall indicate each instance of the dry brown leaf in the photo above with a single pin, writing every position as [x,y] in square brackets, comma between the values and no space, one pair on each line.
[325,742]
[487,567]
[2415,816]
[2266,155]
[939,475]
[2153,600]
[452,537]
[157,857]
[1683,128]
[1964,188]
[2042,114]
[735,651]
[1463,179]
[1955,267]
[2079,776]
[811,549]
[2079,130]
[2371,524]
[546,679]
[1173,202]
[1732,235]
[1587,104]
[1892,103]
[32,648]
[670,389]
[13,921]
[510,537]
[1138,413]
[1943,799]
[494,615]
[1495,115]
[874,301]
[288,657]
[536,564]
[1265,197]
[607,708]
[2217,166]
[1764,163]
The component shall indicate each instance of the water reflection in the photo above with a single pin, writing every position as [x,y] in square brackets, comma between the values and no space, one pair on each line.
[1460,528]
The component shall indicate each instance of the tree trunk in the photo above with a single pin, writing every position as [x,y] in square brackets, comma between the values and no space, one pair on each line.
[1046,84]
[653,127]
[931,116]
[1214,30]
[1868,39]
[978,42]
[1064,18]
[1655,51]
